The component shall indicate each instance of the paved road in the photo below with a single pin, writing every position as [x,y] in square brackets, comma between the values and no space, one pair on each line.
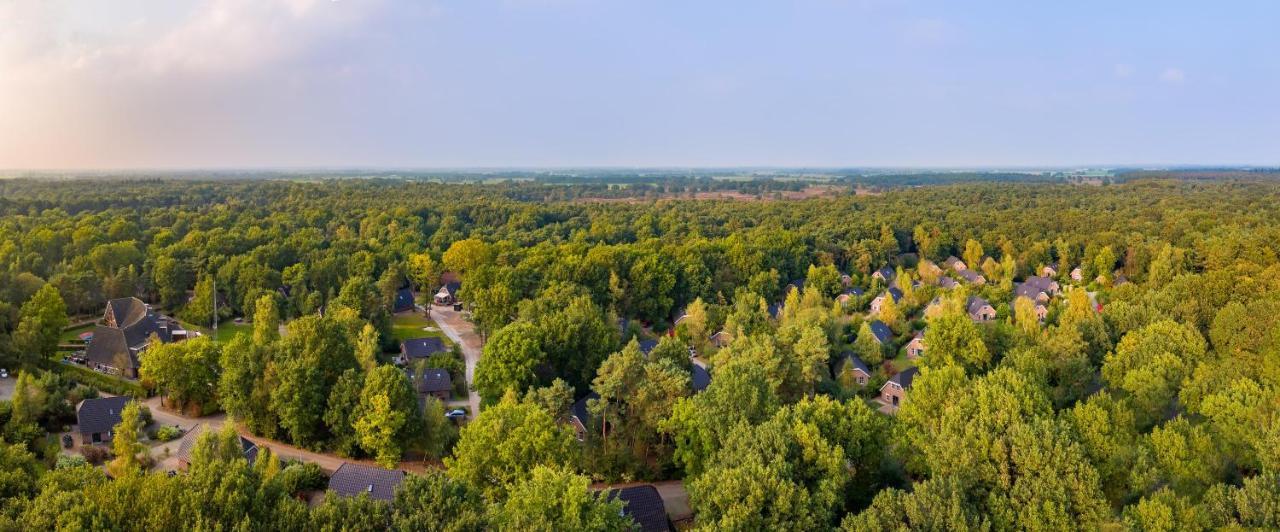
[458,329]
[6,388]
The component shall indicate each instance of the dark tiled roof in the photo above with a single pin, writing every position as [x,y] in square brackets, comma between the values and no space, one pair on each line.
[701,378]
[579,409]
[905,378]
[100,415]
[188,442]
[404,299]
[951,262]
[353,479]
[422,347]
[798,284]
[897,294]
[854,291]
[947,282]
[775,310]
[431,380]
[125,311]
[970,276]
[887,273]
[857,362]
[643,505]
[117,346]
[881,331]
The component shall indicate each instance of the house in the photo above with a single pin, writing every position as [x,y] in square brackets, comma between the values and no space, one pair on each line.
[849,293]
[96,419]
[450,285]
[1042,312]
[404,300]
[127,325]
[580,417]
[979,309]
[1077,275]
[415,349]
[775,310]
[947,283]
[857,367]
[643,505]
[431,382]
[721,339]
[881,331]
[797,285]
[845,279]
[189,440]
[880,299]
[351,480]
[894,391]
[1049,270]
[1039,289]
[679,317]
[884,274]
[915,348]
[934,307]
[971,277]
[954,264]
[700,378]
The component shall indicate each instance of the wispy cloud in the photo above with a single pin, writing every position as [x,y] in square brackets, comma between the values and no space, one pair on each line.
[1173,75]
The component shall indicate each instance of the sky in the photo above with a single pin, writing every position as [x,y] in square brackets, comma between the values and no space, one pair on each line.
[185,84]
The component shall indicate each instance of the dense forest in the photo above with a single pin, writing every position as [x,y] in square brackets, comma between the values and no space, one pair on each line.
[1146,395]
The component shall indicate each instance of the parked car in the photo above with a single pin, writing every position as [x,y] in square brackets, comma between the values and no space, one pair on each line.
[456,414]
[67,441]
[4,373]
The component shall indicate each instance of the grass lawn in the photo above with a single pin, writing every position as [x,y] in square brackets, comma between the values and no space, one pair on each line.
[411,325]
[73,335]
[226,330]
[900,362]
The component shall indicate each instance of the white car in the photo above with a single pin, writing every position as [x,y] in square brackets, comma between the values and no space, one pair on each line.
[4,373]
[456,414]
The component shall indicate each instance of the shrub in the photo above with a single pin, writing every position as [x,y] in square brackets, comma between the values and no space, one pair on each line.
[167,433]
[300,477]
[67,461]
[94,454]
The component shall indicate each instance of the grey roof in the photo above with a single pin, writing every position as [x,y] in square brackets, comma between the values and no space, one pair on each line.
[882,332]
[430,380]
[100,415]
[905,377]
[970,276]
[188,443]
[897,294]
[404,299]
[644,505]
[887,272]
[975,304]
[353,479]
[947,282]
[579,409]
[422,347]
[857,362]
[855,291]
[798,283]
[950,262]
[1034,285]
[775,310]
[129,325]
[701,378]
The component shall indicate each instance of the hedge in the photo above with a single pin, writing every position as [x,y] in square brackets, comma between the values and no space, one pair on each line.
[107,383]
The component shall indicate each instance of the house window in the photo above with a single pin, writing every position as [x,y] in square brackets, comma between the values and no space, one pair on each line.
[895,400]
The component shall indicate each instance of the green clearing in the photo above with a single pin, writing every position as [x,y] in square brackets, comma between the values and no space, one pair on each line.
[411,325]
[73,335]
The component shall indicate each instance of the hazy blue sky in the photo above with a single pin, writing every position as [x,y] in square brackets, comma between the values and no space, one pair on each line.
[423,83]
